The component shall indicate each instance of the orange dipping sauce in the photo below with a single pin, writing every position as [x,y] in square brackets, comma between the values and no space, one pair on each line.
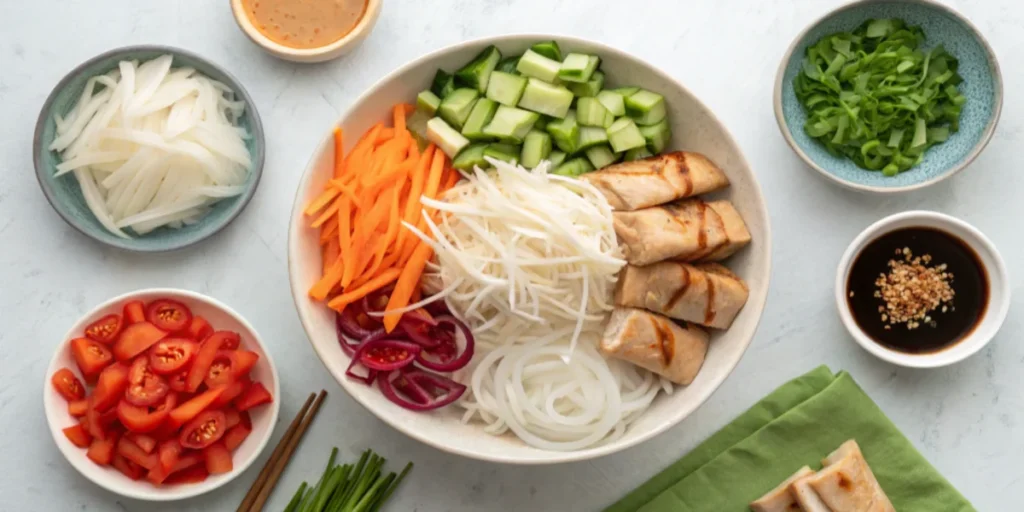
[305,24]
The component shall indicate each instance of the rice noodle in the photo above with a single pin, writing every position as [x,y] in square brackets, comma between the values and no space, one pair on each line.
[529,261]
[153,146]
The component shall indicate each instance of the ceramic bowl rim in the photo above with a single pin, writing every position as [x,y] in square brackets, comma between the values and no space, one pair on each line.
[998,306]
[329,51]
[729,366]
[986,136]
[128,245]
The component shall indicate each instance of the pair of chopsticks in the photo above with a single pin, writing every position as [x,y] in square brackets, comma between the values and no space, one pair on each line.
[267,479]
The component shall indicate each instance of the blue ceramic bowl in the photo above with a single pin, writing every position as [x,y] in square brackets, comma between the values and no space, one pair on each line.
[942,26]
[64,193]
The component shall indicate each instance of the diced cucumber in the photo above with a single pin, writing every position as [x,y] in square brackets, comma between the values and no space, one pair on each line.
[535,65]
[506,88]
[505,152]
[624,135]
[565,132]
[556,158]
[591,136]
[428,102]
[417,124]
[508,65]
[626,92]
[589,88]
[638,153]
[471,156]
[601,156]
[591,112]
[577,67]
[646,107]
[548,49]
[542,123]
[511,124]
[455,108]
[542,97]
[443,84]
[446,138]
[613,101]
[657,136]
[478,71]
[479,117]
[536,147]
[574,167]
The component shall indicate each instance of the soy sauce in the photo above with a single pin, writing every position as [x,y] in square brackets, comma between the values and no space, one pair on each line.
[970,286]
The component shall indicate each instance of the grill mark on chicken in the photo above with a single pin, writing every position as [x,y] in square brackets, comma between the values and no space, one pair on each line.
[666,342]
[678,295]
[709,310]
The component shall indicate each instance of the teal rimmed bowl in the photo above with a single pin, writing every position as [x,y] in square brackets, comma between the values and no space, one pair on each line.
[64,194]
[982,85]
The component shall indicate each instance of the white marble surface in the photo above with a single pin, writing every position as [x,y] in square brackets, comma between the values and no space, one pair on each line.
[966,419]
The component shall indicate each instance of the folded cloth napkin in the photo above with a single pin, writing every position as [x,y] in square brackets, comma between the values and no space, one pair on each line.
[797,424]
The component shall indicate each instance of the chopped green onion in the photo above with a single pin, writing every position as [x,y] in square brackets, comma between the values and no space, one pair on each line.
[362,487]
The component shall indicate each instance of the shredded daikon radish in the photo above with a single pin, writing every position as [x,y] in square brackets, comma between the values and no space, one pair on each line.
[529,261]
[153,146]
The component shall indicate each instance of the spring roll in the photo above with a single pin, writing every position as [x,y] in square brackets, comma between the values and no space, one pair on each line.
[846,483]
[686,230]
[806,496]
[657,180]
[781,498]
[707,294]
[651,341]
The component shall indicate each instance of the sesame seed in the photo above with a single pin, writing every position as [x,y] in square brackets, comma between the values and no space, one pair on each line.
[912,289]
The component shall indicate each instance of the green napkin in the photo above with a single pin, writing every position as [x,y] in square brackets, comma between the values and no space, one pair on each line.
[797,424]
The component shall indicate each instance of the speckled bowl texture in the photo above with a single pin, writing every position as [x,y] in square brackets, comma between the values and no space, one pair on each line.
[64,193]
[942,26]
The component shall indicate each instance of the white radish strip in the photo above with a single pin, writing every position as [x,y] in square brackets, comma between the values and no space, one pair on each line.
[173,220]
[98,157]
[128,168]
[154,214]
[94,200]
[86,113]
[220,191]
[151,75]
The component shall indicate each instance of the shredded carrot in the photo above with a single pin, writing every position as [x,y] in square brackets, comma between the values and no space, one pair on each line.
[339,153]
[408,281]
[330,254]
[385,278]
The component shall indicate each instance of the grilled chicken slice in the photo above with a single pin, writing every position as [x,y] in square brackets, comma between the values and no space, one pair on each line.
[707,294]
[652,341]
[685,230]
[657,180]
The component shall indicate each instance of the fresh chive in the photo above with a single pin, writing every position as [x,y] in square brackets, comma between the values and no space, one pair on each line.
[294,503]
[306,500]
[370,496]
[391,488]
[328,488]
[360,487]
[339,490]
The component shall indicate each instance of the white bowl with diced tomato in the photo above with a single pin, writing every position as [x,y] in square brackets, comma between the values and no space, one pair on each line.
[161,394]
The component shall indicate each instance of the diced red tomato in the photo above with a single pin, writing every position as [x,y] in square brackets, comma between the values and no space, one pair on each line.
[171,355]
[218,459]
[205,429]
[205,358]
[135,339]
[168,454]
[231,392]
[234,437]
[105,330]
[141,419]
[91,422]
[101,451]
[245,419]
[110,386]
[177,382]
[192,475]
[221,372]
[132,452]
[199,329]
[147,443]
[226,340]
[157,475]
[69,387]
[187,459]
[78,436]
[257,394]
[127,467]
[243,361]
[134,312]
[78,408]
[145,388]
[231,417]
[169,315]
[190,409]
[90,356]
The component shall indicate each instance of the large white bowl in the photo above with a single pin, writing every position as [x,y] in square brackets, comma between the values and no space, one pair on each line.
[694,128]
[221,317]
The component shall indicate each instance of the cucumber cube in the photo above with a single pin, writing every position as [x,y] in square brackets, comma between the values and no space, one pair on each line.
[626,92]
[590,112]
[504,152]
[544,98]
[508,65]
[455,108]
[657,136]
[577,67]
[471,156]
[589,88]
[624,135]
[548,49]
[428,102]
[505,88]
[481,115]
[574,167]
[511,124]
[477,73]
[533,64]
[565,132]
[646,107]
[536,147]
[542,123]
[417,124]
[637,154]
[556,158]
[443,84]
[613,101]
[601,156]
[591,136]
[446,138]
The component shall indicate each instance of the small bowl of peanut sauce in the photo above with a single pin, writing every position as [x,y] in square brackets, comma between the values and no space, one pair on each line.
[306,30]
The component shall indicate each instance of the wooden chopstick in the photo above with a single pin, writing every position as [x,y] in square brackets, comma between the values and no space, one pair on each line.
[282,461]
[279,450]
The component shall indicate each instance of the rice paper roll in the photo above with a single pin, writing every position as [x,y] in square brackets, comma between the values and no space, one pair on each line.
[847,484]
[707,294]
[657,343]
[657,180]
[686,230]
[807,497]
[781,498]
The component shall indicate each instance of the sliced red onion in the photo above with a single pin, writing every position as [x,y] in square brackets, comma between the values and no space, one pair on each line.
[365,379]
[438,308]
[375,302]
[449,390]
[412,390]
[445,356]
[351,322]
[387,354]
